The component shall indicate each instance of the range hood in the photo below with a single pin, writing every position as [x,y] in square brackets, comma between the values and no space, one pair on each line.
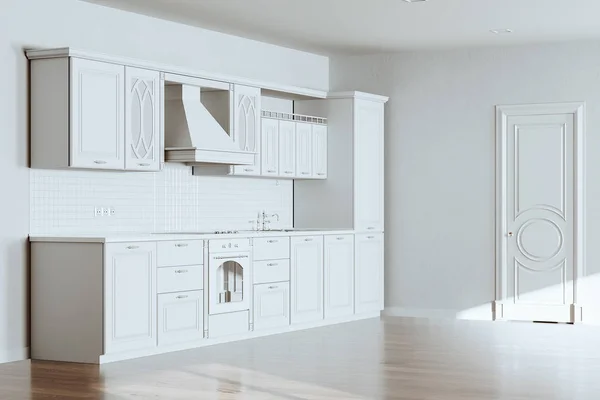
[197,121]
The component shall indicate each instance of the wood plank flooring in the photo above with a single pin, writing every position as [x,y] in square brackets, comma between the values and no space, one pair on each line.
[391,358]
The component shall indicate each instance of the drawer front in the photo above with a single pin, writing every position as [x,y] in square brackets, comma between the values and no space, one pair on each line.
[180,252]
[178,279]
[271,271]
[271,305]
[333,239]
[226,245]
[180,317]
[272,248]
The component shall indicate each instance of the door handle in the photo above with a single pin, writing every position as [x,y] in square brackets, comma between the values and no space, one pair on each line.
[510,234]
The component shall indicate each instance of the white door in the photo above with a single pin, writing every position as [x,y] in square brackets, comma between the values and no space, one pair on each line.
[307,278]
[246,122]
[319,151]
[271,305]
[368,273]
[129,296]
[339,275]
[368,166]
[180,317]
[97,115]
[270,147]
[287,149]
[537,218]
[303,150]
[142,120]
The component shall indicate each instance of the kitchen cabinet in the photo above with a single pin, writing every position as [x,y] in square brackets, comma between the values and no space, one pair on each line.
[180,317]
[319,151]
[142,122]
[270,147]
[130,296]
[368,258]
[306,279]
[271,305]
[287,149]
[247,131]
[339,275]
[303,150]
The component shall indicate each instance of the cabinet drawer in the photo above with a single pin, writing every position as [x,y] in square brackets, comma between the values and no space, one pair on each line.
[271,271]
[178,279]
[272,248]
[180,252]
[180,317]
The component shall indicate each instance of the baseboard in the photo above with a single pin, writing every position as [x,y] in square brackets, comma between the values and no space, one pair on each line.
[480,313]
[14,355]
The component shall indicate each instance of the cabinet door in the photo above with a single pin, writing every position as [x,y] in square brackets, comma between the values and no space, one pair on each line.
[271,305]
[368,273]
[130,296]
[303,150]
[319,151]
[269,147]
[339,276]
[97,115]
[307,278]
[368,166]
[142,119]
[246,132]
[180,317]
[287,149]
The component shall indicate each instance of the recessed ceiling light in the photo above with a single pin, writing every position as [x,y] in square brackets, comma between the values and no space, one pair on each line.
[501,31]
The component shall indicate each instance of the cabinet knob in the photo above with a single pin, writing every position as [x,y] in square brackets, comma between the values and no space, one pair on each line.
[510,234]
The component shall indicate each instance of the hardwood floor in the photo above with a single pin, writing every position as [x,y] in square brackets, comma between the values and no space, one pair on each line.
[389,359]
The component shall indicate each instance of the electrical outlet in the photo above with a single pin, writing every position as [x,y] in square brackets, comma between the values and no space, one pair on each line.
[105,212]
[97,211]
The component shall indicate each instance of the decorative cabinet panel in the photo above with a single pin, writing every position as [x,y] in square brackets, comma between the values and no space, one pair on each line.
[270,147]
[339,275]
[97,115]
[368,260]
[142,129]
[271,305]
[319,151]
[303,150]
[247,131]
[307,278]
[180,317]
[130,296]
[287,149]
[368,166]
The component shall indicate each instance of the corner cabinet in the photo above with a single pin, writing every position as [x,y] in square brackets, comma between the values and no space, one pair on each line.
[94,115]
[247,130]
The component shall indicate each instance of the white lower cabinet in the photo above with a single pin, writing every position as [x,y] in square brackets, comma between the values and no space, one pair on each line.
[180,317]
[306,279]
[368,260]
[271,305]
[130,296]
[339,275]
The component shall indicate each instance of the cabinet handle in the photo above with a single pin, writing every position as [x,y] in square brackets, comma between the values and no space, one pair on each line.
[272,241]
[248,170]
[133,247]
[183,296]
[144,164]
[181,271]
[288,172]
[181,245]
[321,174]
[271,171]
[273,287]
[272,264]
[370,228]
[308,240]
[305,173]
[370,237]
[99,162]
[340,238]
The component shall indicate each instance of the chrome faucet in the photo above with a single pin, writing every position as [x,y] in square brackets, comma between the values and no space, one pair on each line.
[266,220]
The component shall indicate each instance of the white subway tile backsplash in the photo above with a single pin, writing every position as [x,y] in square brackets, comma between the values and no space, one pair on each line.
[172,200]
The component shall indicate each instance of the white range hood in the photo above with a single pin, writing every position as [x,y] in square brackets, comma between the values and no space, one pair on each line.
[192,134]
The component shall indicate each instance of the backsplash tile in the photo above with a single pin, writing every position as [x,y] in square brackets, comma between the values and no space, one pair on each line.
[172,200]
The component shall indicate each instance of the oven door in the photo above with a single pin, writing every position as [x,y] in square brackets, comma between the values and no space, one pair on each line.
[229,287]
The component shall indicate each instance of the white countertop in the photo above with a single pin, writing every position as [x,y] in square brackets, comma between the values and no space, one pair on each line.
[151,237]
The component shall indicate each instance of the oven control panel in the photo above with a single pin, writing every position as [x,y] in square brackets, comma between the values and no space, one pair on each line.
[228,245]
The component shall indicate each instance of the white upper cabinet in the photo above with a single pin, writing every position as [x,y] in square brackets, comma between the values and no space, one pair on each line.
[247,131]
[368,260]
[368,166]
[129,296]
[270,147]
[97,115]
[303,150]
[339,275]
[319,152]
[307,278]
[142,121]
[287,149]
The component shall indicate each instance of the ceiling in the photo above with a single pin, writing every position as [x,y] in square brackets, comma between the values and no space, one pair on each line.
[368,26]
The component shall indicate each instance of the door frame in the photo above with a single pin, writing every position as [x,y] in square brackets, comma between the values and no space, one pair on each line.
[503,112]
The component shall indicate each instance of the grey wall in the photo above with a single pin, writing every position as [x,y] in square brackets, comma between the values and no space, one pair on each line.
[440,166]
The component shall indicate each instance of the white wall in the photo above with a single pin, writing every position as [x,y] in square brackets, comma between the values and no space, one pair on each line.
[59,23]
[440,159]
